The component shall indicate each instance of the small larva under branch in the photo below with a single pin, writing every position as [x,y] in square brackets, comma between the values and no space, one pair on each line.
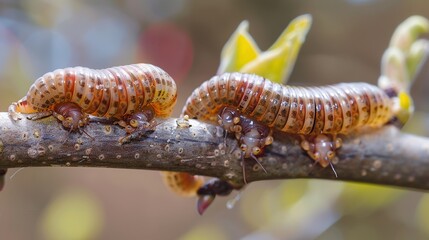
[133,94]
[183,184]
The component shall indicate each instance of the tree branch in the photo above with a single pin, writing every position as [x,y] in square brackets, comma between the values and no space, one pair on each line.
[381,156]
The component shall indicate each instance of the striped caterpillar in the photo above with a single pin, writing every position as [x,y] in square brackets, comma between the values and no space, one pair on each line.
[132,93]
[251,107]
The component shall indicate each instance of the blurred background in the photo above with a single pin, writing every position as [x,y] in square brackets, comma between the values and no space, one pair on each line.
[185,37]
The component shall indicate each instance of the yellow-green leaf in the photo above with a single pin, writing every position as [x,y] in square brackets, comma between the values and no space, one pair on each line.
[241,54]
[393,70]
[298,27]
[275,65]
[278,61]
[408,31]
[238,50]
[402,61]
[417,56]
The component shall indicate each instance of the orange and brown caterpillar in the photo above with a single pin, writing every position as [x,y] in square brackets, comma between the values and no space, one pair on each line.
[243,102]
[134,93]
[251,106]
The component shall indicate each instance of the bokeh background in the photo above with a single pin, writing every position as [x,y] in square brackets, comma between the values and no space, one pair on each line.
[185,38]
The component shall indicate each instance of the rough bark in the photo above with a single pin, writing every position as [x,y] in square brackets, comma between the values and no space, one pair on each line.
[381,156]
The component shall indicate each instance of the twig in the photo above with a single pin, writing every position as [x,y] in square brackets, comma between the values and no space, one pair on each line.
[381,156]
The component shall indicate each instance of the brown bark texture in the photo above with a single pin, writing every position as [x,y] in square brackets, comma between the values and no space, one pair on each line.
[384,156]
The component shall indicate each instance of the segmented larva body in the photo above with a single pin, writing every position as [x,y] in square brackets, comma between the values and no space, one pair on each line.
[250,105]
[111,92]
[334,109]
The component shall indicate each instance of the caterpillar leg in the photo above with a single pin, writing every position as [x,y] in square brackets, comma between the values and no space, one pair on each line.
[137,124]
[184,184]
[321,148]
[69,114]
[252,145]
[252,135]
[229,119]
[39,115]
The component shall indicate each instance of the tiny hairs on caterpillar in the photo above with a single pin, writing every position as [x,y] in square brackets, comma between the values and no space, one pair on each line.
[132,93]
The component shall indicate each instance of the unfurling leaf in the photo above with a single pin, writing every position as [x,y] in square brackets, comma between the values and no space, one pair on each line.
[402,61]
[241,54]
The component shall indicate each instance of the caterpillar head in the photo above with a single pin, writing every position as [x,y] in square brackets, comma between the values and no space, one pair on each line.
[142,120]
[229,119]
[71,115]
[254,139]
[322,149]
[253,143]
